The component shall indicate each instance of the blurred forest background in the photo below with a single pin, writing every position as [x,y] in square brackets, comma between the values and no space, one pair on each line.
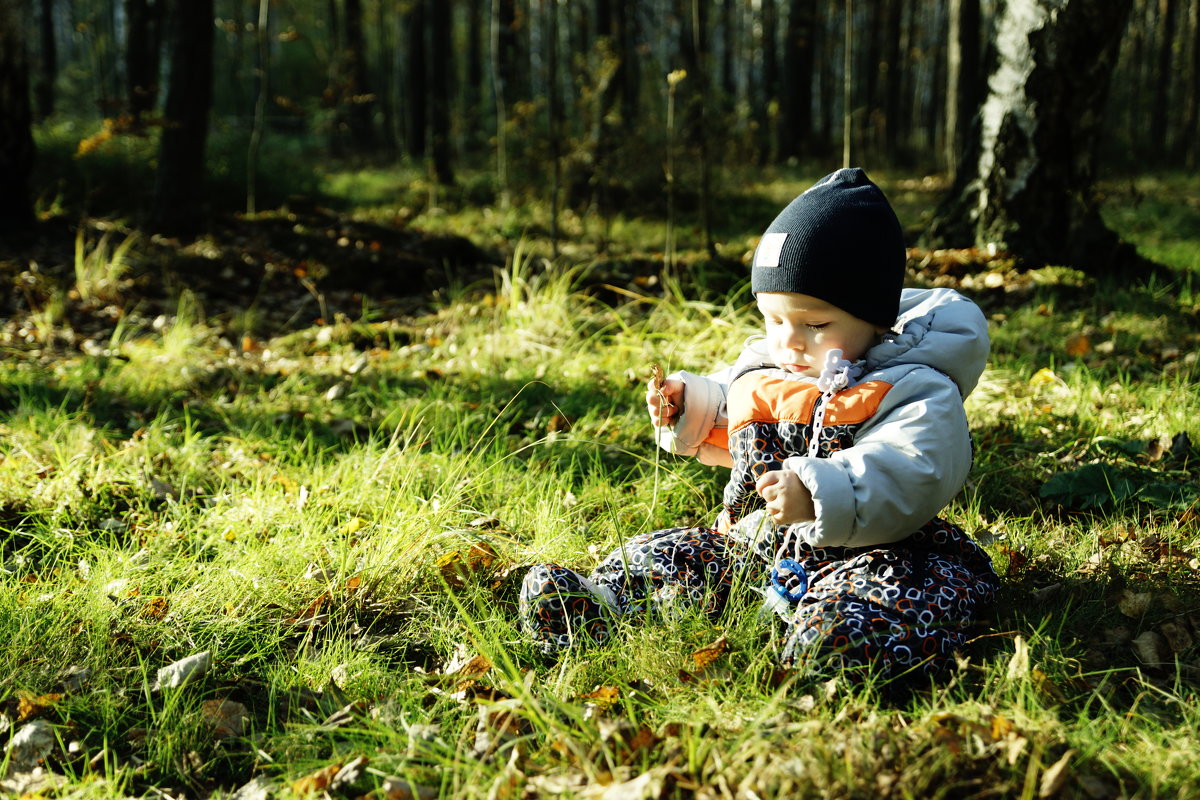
[170,115]
[525,96]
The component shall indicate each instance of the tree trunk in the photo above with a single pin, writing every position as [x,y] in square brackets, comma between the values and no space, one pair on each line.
[387,96]
[890,70]
[179,187]
[1190,129]
[624,18]
[473,87]
[360,116]
[417,81]
[962,77]
[47,62]
[16,138]
[795,128]
[1160,110]
[728,87]
[441,89]
[1025,184]
[695,52]
[554,112]
[334,97]
[262,79]
[143,19]
[767,93]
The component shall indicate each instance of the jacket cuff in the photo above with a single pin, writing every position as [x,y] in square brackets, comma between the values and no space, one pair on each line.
[703,400]
[833,501]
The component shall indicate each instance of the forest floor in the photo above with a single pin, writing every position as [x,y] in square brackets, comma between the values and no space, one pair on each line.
[264,498]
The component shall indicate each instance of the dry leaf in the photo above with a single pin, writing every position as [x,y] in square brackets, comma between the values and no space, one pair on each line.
[1002,727]
[706,655]
[498,723]
[463,665]
[1055,776]
[1078,345]
[1133,604]
[257,789]
[455,566]
[400,789]
[311,615]
[1018,664]
[31,743]
[648,784]
[1150,649]
[1177,636]
[182,672]
[318,781]
[352,526]
[156,608]
[225,717]
[603,697]
[30,705]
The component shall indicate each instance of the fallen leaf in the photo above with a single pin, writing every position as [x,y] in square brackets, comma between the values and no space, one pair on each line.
[352,526]
[30,705]
[1055,776]
[1177,636]
[400,789]
[74,677]
[1017,561]
[456,565]
[31,743]
[156,608]
[311,615]
[706,655]
[498,724]
[1133,604]
[1078,345]
[474,667]
[603,697]
[257,789]
[1002,727]
[1151,649]
[183,672]
[1045,377]
[225,717]
[1018,663]
[647,785]
[317,781]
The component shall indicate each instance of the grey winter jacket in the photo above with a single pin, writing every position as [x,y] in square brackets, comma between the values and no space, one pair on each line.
[903,458]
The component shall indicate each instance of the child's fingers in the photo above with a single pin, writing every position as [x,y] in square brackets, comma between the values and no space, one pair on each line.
[664,402]
[766,481]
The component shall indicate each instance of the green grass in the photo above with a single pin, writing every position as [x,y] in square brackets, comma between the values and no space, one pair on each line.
[296,510]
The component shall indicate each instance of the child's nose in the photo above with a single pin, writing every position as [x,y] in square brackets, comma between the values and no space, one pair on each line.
[794,339]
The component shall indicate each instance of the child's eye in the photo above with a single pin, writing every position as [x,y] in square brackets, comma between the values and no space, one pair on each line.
[817,326]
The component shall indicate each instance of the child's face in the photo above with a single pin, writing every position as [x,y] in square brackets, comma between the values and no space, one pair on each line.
[802,329]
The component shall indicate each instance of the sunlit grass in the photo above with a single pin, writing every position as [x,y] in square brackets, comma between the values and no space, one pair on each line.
[297,509]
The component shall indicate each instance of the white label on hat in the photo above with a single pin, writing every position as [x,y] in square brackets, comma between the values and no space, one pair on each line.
[769,249]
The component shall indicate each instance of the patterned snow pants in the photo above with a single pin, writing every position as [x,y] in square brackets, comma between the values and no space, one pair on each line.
[904,607]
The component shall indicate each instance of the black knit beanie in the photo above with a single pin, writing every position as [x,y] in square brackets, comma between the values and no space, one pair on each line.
[840,242]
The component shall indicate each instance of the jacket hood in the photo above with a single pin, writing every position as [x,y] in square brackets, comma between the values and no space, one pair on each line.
[938,328]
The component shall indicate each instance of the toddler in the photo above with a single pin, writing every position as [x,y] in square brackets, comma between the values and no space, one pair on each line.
[845,434]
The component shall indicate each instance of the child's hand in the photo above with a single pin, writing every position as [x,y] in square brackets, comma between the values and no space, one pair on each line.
[788,500]
[665,401]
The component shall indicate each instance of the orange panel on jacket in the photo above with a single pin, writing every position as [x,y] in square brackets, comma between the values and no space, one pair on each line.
[768,398]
